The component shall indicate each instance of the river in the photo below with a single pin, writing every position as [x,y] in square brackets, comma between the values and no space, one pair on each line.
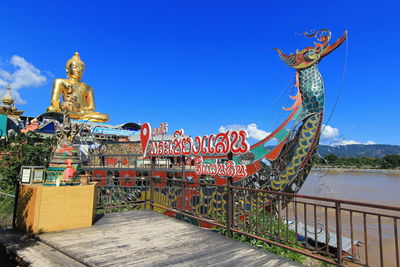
[383,189]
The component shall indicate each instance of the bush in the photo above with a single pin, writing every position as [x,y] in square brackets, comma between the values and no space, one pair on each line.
[391,161]
[24,150]
[6,209]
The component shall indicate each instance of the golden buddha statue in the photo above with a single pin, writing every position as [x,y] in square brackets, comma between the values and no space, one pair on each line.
[78,96]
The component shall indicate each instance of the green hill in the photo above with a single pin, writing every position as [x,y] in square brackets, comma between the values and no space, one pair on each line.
[356,151]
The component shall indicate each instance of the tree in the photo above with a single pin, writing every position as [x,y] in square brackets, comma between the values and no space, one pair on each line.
[331,158]
[391,161]
[23,150]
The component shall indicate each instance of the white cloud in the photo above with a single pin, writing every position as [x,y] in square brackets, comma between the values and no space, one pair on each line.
[25,74]
[351,142]
[329,132]
[330,136]
[251,130]
[347,142]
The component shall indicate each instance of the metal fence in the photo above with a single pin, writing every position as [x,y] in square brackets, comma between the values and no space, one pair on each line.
[331,230]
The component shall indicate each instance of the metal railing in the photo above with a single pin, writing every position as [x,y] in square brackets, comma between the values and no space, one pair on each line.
[119,193]
[331,230]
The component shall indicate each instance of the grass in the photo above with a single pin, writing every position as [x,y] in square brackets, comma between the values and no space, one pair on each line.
[6,209]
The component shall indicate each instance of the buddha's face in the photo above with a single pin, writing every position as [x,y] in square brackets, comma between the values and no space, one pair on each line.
[75,70]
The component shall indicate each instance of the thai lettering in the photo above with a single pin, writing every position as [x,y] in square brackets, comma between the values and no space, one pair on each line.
[163,129]
[220,144]
[228,168]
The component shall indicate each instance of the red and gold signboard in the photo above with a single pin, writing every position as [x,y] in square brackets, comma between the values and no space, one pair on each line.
[234,142]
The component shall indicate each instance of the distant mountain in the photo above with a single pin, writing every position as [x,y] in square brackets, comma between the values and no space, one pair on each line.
[357,151]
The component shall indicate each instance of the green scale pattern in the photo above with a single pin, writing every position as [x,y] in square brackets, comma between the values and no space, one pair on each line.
[312,90]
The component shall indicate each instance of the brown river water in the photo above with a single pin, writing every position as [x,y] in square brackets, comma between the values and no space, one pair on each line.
[376,188]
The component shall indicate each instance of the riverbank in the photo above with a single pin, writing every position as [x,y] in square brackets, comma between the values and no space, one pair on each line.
[354,170]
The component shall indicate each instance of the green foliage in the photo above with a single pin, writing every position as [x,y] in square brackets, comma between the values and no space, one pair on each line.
[331,158]
[24,150]
[274,227]
[6,208]
[391,161]
[356,151]
[387,162]
[359,150]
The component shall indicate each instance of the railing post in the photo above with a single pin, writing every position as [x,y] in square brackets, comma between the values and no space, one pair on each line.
[339,233]
[14,219]
[183,196]
[229,206]
[146,187]
[153,164]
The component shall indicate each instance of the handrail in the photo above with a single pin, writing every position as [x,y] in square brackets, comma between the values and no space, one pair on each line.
[342,201]
[235,210]
[5,194]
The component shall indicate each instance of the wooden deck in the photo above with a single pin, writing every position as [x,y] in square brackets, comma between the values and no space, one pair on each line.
[145,238]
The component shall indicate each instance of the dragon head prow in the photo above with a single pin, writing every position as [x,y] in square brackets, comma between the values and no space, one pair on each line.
[311,55]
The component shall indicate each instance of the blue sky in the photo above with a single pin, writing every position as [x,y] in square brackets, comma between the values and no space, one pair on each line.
[200,65]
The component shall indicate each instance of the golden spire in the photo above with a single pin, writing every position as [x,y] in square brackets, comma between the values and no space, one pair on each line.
[7,99]
[9,107]
[75,59]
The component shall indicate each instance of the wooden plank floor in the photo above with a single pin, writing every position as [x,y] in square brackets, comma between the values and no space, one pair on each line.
[28,251]
[146,238]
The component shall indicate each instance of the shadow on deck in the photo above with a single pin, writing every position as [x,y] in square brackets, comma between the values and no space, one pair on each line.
[145,238]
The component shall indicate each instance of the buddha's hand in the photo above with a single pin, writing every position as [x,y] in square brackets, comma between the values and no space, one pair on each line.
[52,108]
[88,109]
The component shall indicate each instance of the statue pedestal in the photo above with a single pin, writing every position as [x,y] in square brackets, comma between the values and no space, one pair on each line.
[48,208]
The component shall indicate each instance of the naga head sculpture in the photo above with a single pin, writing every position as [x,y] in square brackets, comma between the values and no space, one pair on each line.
[311,55]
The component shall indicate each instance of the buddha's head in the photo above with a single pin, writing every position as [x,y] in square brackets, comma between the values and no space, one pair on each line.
[75,67]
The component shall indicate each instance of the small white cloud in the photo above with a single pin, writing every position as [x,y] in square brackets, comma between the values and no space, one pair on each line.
[351,142]
[329,136]
[328,132]
[49,73]
[348,142]
[251,129]
[24,75]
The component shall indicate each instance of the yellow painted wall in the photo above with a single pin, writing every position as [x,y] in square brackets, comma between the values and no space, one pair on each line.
[50,208]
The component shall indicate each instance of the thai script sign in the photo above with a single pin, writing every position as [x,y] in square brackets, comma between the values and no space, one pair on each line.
[232,141]
[228,168]
[220,144]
